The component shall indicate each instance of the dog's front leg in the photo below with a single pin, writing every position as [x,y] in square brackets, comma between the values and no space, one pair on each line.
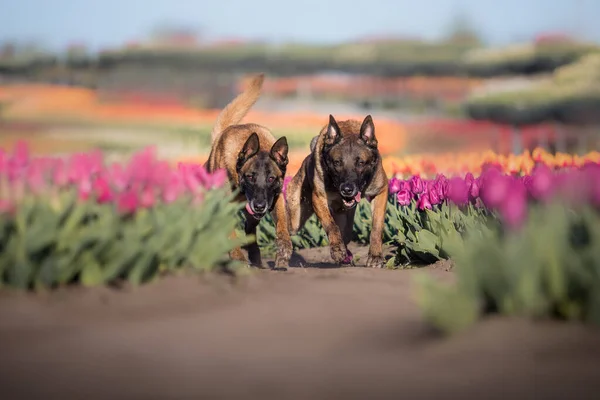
[375,258]
[254,257]
[283,241]
[236,254]
[321,207]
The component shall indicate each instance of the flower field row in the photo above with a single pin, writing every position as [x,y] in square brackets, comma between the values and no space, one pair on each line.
[78,219]
[462,163]
[523,243]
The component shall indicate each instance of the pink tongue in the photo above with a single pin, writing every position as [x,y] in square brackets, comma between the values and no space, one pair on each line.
[249,209]
[357,197]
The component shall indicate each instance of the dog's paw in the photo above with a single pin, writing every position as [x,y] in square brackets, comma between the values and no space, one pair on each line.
[348,260]
[237,255]
[338,252]
[283,255]
[375,261]
[281,263]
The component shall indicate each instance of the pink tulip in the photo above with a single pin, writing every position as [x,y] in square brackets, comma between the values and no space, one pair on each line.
[423,202]
[469,179]
[103,190]
[474,190]
[141,165]
[118,177]
[573,187]
[84,189]
[35,178]
[434,196]
[494,188]
[514,205]
[541,183]
[217,179]
[592,172]
[394,185]
[127,202]
[173,188]
[14,170]
[60,177]
[442,186]
[416,185]
[21,153]
[6,207]
[147,198]
[458,192]
[160,173]
[404,197]
[405,185]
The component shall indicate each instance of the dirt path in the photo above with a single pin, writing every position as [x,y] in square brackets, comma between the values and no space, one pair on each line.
[309,333]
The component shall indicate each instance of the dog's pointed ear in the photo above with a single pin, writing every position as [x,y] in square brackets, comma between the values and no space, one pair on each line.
[332,134]
[279,152]
[367,132]
[250,148]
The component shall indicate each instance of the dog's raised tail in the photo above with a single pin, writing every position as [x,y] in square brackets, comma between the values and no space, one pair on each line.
[237,109]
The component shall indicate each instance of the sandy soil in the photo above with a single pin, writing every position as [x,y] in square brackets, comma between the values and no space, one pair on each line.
[309,333]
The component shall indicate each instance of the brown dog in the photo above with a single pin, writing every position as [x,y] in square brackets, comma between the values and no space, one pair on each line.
[344,166]
[255,163]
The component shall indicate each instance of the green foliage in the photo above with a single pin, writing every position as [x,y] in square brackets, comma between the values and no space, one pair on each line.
[420,237]
[311,235]
[424,237]
[570,95]
[549,268]
[58,241]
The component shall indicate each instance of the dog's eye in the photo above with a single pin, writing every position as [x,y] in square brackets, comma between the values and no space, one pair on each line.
[337,163]
[361,163]
[271,179]
[250,178]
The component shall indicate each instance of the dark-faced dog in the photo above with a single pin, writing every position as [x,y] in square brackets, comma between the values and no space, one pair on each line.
[255,163]
[344,166]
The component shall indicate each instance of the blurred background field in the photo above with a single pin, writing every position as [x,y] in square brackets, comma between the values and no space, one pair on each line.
[467,90]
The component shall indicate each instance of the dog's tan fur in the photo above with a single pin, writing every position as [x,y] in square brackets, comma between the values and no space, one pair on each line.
[228,140]
[306,194]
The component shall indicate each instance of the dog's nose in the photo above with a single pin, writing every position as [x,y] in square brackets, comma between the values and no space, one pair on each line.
[347,189]
[259,206]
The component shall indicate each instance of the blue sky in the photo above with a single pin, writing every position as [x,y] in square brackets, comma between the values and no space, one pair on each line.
[55,23]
